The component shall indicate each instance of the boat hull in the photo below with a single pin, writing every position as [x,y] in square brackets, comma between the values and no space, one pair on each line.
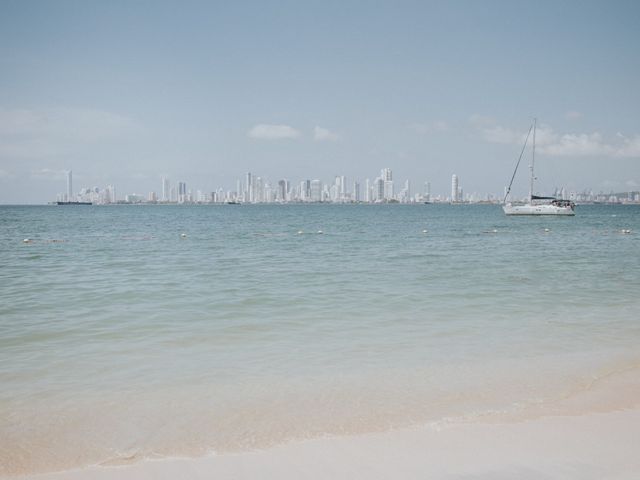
[538,210]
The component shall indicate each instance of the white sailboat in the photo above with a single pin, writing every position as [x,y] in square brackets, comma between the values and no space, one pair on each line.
[536,205]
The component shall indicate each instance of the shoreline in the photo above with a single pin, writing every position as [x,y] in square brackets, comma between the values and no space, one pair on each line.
[595,445]
[593,434]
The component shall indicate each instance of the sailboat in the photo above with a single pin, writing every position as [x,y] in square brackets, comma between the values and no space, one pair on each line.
[536,205]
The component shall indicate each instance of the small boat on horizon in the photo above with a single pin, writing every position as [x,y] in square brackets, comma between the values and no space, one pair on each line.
[537,205]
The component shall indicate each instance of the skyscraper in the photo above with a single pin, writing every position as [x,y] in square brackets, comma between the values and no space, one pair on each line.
[379,189]
[281,194]
[69,186]
[356,192]
[248,193]
[454,188]
[316,190]
[387,179]
[165,189]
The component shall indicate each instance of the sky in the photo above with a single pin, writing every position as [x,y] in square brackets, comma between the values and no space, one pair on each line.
[126,92]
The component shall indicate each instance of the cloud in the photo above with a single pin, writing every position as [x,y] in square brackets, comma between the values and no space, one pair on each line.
[273,132]
[481,121]
[564,145]
[6,174]
[431,127]
[29,133]
[323,135]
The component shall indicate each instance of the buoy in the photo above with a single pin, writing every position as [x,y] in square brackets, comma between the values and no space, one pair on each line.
[300,232]
[625,230]
[424,231]
[494,231]
[26,240]
[183,235]
[320,232]
[547,230]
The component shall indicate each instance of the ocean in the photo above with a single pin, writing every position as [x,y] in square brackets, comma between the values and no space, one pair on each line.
[137,332]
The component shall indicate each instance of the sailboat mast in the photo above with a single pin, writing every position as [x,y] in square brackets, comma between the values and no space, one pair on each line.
[533,159]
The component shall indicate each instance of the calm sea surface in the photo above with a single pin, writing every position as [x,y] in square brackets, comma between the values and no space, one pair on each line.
[120,339]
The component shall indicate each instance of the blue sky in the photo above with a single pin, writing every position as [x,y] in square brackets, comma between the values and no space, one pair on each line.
[125,92]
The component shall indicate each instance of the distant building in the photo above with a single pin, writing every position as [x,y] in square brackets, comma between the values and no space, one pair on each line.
[378,189]
[454,188]
[182,192]
[165,189]
[316,191]
[69,186]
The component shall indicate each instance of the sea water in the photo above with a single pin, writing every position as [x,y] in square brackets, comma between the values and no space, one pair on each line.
[130,332]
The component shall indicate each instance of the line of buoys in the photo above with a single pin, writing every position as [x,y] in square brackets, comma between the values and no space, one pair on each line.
[625,231]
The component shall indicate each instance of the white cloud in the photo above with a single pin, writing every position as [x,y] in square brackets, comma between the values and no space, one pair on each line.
[579,144]
[323,135]
[481,121]
[431,127]
[273,132]
[498,134]
[564,145]
[630,147]
[5,174]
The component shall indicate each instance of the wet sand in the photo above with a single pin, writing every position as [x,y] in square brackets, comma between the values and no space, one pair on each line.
[591,446]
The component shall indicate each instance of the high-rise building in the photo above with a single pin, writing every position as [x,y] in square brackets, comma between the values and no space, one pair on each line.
[356,192]
[248,192]
[367,191]
[378,189]
[69,186]
[388,189]
[165,189]
[182,192]
[387,179]
[454,188]
[427,191]
[307,189]
[316,190]
[281,194]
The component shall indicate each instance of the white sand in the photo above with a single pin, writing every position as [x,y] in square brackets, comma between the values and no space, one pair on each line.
[591,446]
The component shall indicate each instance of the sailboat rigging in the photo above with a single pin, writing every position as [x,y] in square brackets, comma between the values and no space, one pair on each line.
[536,205]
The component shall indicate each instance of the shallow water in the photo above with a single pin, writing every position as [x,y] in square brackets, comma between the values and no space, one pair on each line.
[120,339]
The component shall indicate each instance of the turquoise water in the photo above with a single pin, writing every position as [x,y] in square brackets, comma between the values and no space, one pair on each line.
[120,339]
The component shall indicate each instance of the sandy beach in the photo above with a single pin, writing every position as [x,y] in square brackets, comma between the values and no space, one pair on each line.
[593,446]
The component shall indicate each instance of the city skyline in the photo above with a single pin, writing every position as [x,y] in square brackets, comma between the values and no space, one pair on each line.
[126,93]
[255,189]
